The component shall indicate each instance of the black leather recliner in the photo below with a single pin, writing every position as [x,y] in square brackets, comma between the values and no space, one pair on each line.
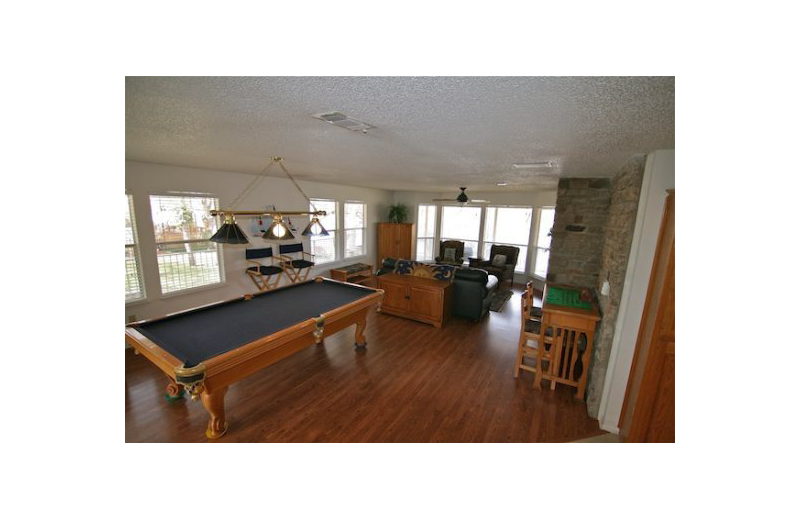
[458,245]
[473,290]
[506,272]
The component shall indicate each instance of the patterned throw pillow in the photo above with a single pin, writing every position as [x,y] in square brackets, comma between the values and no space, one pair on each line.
[443,272]
[499,260]
[439,272]
[403,266]
[450,254]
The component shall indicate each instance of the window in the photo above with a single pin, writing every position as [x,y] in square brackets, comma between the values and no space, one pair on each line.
[354,229]
[426,232]
[186,258]
[325,249]
[462,223]
[510,227]
[546,218]
[134,288]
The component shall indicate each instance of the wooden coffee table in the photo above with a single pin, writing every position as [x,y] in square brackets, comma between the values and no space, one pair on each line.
[361,274]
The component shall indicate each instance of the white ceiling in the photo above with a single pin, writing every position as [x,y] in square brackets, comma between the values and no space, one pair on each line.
[431,133]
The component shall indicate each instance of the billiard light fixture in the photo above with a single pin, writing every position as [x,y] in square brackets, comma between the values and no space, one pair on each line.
[315,228]
[231,233]
[278,230]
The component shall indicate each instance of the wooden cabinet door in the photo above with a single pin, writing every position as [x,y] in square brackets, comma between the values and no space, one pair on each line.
[387,240]
[395,295]
[425,302]
[648,413]
[403,240]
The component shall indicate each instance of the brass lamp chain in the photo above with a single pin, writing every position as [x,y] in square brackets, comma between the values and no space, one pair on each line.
[279,160]
[250,187]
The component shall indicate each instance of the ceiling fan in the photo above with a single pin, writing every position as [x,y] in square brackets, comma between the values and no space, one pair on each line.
[461,199]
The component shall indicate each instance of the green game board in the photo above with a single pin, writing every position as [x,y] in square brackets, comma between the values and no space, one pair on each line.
[567,298]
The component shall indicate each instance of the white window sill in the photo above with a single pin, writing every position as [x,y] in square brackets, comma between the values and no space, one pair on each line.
[342,261]
[131,303]
[184,292]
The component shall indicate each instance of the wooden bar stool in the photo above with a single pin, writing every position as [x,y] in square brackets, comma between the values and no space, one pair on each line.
[536,312]
[530,330]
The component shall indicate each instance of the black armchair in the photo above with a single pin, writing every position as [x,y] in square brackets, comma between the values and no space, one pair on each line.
[505,272]
[459,252]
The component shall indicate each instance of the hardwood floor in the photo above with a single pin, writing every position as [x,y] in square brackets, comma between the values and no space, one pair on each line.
[413,383]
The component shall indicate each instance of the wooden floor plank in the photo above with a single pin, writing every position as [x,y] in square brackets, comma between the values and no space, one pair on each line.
[413,383]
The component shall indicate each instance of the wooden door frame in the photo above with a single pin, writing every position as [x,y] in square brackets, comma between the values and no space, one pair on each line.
[634,419]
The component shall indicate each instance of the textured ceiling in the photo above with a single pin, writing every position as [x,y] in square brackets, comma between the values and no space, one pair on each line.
[431,133]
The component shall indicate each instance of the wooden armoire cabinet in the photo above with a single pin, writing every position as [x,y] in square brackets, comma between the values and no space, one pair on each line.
[395,240]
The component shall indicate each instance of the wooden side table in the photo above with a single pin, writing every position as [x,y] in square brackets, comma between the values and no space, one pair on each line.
[573,339]
[473,261]
[355,273]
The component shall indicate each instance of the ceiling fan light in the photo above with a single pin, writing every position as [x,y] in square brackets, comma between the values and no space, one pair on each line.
[278,230]
[229,233]
[315,228]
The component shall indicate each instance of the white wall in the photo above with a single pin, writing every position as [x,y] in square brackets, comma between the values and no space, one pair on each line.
[659,176]
[144,179]
[535,199]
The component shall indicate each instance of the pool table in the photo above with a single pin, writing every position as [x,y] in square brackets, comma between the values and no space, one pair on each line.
[205,349]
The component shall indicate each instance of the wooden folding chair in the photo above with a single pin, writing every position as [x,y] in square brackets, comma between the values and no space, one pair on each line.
[297,269]
[531,330]
[262,274]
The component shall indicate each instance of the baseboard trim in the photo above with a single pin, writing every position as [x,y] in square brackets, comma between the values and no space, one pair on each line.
[610,428]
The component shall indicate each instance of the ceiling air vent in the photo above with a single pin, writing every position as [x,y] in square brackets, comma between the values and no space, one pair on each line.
[535,164]
[339,119]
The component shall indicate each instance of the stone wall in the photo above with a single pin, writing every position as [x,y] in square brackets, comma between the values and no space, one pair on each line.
[592,236]
[576,249]
[625,191]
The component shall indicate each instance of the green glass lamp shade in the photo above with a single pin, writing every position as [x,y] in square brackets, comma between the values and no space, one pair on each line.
[315,228]
[229,233]
[278,231]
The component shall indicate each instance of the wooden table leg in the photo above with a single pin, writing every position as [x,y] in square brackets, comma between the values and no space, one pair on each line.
[214,403]
[361,324]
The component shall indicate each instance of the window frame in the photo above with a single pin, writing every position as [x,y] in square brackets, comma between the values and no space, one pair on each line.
[436,216]
[136,252]
[479,240]
[220,256]
[527,245]
[345,229]
[337,239]
[535,242]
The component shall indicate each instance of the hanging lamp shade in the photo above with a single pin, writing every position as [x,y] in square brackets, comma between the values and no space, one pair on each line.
[229,233]
[278,230]
[315,228]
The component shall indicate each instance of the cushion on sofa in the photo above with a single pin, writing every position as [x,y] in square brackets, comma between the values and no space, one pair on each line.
[413,268]
[499,260]
[491,282]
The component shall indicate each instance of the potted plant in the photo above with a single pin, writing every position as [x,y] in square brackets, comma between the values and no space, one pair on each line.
[398,213]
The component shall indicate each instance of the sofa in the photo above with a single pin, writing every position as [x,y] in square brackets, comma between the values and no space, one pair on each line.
[506,272]
[473,289]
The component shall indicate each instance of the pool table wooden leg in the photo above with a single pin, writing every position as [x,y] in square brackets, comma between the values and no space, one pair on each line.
[361,340]
[214,403]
